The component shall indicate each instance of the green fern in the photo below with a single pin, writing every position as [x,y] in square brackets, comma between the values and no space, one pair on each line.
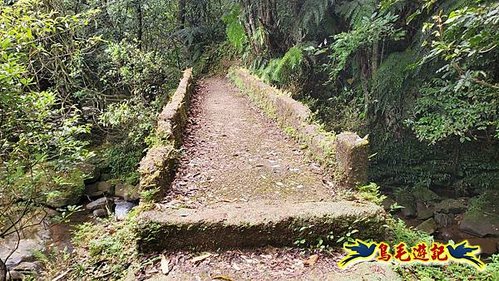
[267,72]
[389,84]
[279,70]
[355,11]
[312,13]
[289,62]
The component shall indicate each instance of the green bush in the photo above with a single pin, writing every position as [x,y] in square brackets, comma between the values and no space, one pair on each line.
[282,70]
[235,30]
[370,192]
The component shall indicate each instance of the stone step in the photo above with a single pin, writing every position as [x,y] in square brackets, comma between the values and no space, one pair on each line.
[257,224]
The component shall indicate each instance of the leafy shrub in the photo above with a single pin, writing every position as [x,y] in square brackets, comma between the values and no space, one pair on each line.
[362,36]
[105,248]
[390,84]
[132,123]
[137,73]
[341,112]
[235,30]
[461,99]
[442,112]
[147,82]
[453,271]
[370,192]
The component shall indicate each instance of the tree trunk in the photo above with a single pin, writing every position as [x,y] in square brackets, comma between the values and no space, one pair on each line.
[107,20]
[3,271]
[375,58]
[364,79]
[138,7]
[181,14]
[247,11]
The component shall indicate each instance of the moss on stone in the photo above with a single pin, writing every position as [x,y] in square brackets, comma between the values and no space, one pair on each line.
[258,223]
[157,168]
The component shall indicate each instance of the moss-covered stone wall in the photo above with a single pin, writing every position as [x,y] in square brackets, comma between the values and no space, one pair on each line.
[345,159]
[157,168]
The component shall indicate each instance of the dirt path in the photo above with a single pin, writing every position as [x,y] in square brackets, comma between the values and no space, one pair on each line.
[268,264]
[232,152]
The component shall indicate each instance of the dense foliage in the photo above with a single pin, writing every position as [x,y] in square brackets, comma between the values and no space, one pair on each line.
[450,48]
[420,77]
[40,128]
[86,76]
[462,99]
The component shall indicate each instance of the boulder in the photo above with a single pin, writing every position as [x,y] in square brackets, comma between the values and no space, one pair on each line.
[23,253]
[447,235]
[122,209]
[127,191]
[91,172]
[424,194]
[406,200]
[424,211]
[92,191]
[106,187]
[105,177]
[66,193]
[482,218]
[408,211]
[387,203]
[451,206]
[62,200]
[416,199]
[488,246]
[480,224]
[15,276]
[27,267]
[100,213]
[429,226]
[443,220]
[101,203]
[61,187]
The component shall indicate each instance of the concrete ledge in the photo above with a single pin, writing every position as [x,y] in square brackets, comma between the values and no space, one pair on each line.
[352,156]
[348,167]
[157,168]
[255,224]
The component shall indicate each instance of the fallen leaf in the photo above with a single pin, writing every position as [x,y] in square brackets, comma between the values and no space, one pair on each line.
[222,277]
[236,267]
[165,265]
[311,260]
[201,258]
